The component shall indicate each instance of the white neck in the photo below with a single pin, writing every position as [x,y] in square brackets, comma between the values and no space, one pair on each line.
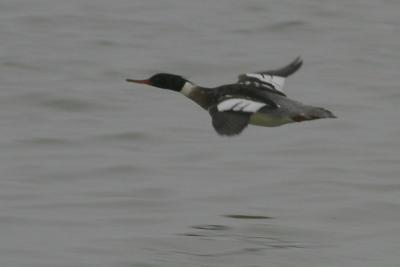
[187,89]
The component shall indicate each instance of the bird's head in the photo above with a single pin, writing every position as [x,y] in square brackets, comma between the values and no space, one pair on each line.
[164,80]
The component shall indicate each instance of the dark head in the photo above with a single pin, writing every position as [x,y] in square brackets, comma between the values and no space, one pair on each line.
[163,80]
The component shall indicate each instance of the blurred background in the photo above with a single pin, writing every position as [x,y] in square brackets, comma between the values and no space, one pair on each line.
[98,172]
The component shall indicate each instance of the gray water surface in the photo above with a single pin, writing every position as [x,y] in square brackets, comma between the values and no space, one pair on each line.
[98,172]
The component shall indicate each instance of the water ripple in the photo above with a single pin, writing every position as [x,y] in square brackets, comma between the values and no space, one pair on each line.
[69,104]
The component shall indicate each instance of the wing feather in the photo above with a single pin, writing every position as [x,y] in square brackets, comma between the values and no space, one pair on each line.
[229,123]
[272,80]
[232,115]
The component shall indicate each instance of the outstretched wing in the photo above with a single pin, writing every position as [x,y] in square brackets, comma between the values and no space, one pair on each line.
[231,115]
[272,80]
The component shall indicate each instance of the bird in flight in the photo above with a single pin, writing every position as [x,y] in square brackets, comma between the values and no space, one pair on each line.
[256,98]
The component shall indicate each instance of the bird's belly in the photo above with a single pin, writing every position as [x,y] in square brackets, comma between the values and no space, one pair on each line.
[266,120]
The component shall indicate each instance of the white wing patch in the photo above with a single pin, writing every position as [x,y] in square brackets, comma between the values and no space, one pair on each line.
[240,104]
[276,81]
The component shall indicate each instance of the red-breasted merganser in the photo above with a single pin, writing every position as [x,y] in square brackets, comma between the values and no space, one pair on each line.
[256,98]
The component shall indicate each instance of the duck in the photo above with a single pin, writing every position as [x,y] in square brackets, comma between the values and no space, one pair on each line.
[256,99]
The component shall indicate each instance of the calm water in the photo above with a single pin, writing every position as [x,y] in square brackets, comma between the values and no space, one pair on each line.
[98,172]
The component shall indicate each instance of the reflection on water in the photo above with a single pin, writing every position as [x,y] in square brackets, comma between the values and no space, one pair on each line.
[247,217]
[221,241]
[212,227]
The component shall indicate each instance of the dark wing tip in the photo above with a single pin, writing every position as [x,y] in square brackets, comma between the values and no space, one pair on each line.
[228,123]
[287,70]
[284,72]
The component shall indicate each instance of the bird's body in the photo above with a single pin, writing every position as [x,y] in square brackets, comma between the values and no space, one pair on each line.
[257,99]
